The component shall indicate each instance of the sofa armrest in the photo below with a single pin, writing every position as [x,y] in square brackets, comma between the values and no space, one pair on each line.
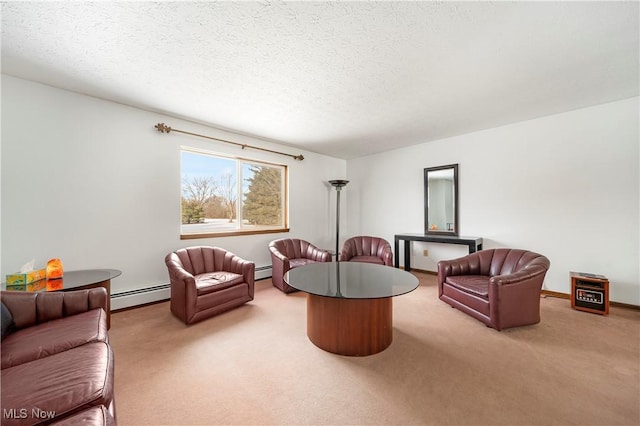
[459,266]
[525,281]
[514,299]
[444,270]
[519,277]
[29,309]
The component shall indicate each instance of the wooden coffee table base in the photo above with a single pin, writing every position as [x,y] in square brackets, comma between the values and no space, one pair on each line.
[352,327]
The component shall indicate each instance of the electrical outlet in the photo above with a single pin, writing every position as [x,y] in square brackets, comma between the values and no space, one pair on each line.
[425,252]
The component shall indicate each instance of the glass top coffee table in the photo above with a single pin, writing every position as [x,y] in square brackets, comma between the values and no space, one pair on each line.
[349,304]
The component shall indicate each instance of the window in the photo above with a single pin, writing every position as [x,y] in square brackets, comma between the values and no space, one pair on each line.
[231,196]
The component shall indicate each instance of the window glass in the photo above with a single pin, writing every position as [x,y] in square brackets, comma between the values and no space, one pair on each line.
[218,190]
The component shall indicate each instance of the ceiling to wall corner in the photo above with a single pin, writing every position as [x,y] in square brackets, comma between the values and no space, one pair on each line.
[345,79]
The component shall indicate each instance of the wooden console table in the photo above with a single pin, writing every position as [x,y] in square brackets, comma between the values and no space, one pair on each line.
[474,244]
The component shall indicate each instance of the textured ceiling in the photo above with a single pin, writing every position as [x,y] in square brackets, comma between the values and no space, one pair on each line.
[344,79]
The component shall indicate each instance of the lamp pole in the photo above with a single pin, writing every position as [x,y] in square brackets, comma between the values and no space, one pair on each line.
[338,184]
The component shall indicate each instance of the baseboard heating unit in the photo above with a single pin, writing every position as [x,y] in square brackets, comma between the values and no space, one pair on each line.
[141,296]
[263,272]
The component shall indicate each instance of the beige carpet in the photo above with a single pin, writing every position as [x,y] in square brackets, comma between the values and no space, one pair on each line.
[255,366]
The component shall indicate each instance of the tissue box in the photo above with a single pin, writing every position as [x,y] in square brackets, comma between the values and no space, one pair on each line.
[26,278]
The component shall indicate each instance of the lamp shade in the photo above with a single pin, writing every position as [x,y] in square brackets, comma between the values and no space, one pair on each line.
[338,183]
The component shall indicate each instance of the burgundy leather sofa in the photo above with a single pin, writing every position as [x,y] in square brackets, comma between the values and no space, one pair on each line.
[57,364]
[289,253]
[367,249]
[207,281]
[500,287]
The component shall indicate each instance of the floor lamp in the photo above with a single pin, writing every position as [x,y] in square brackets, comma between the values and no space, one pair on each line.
[338,184]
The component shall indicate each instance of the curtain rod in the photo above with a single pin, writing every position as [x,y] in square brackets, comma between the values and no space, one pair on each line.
[163,128]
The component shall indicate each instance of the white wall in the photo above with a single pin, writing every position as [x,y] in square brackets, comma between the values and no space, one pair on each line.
[566,186]
[94,183]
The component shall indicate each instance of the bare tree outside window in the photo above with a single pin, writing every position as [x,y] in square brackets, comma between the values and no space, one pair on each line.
[199,189]
[197,192]
[228,193]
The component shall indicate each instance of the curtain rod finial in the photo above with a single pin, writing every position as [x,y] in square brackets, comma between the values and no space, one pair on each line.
[162,128]
[298,157]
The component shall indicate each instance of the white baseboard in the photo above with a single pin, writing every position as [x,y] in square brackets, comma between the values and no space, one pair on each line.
[130,299]
[263,272]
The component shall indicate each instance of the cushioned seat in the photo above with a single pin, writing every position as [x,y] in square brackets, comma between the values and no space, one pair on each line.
[206,281]
[367,249]
[216,281]
[60,384]
[289,253]
[294,263]
[474,284]
[500,287]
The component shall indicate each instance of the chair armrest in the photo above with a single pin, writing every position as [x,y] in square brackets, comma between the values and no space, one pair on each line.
[249,275]
[249,272]
[319,255]
[387,255]
[346,253]
[28,309]
[177,274]
[279,256]
[314,253]
[243,267]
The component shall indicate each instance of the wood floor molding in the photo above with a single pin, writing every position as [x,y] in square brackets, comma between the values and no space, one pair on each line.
[424,271]
[567,296]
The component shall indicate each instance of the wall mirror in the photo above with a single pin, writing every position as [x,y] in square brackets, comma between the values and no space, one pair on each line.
[441,200]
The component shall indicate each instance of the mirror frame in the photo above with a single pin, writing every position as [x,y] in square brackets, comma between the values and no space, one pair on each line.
[456,220]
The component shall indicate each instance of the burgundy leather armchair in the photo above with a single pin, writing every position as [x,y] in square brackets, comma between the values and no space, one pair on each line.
[500,287]
[290,253]
[368,250]
[206,281]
